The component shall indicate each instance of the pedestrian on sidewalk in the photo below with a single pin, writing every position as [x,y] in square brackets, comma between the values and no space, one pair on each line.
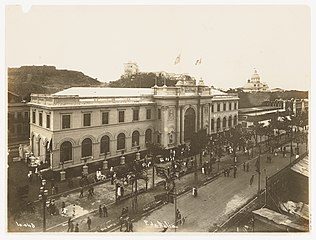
[251,179]
[235,171]
[130,226]
[244,166]
[30,176]
[74,210]
[81,192]
[228,171]
[70,183]
[121,221]
[247,167]
[77,228]
[105,211]
[89,223]
[89,192]
[100,211]
[69,224]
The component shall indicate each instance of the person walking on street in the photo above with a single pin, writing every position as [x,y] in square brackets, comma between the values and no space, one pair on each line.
[235,171]
[105,211]
[100,211]
[228,171]
[69,224]
[247,167]
[130,226]
[77,228]
[74,210]
[251,179]
[81,192]
[244,166]
[89,223]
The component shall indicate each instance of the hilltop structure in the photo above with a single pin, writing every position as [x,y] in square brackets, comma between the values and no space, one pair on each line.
[254,84]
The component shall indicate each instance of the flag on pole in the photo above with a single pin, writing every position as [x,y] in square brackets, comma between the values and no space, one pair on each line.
[177,59]
[198,61]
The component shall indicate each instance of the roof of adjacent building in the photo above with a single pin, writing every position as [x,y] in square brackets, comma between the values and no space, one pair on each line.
[105,92]
[281,219]
[258,109]
[215,92]
[302,167]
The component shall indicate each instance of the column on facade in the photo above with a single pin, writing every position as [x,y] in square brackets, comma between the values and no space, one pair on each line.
[178,124]
[182,124]
[209,118]
[113,146]
[164,129]
[202,116]
[95,150]
[142,143]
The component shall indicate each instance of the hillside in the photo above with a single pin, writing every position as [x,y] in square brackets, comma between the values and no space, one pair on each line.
[45,79]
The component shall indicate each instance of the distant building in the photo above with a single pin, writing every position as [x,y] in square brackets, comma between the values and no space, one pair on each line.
[255,85]
[263,114]
[18,123]
[292,106]
[130,69]
[97,124]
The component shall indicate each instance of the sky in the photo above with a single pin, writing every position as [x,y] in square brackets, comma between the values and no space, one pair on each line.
[231,41]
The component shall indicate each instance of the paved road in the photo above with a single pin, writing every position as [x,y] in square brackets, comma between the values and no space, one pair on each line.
[215,201]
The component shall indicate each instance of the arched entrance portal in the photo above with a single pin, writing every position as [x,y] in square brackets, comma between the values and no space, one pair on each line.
[189,123]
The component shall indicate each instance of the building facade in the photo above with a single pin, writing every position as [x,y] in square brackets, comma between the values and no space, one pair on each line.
[97,124]
[292,106]
[18,123]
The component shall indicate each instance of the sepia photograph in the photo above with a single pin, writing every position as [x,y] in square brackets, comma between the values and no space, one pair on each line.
[157,119]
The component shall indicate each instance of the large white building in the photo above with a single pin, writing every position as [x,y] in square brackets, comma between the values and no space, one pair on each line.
[254,84]
[93,124]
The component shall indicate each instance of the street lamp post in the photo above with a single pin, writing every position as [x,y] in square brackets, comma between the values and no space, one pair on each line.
[43,193]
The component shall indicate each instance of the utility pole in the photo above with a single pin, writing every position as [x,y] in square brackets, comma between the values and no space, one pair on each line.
[175,207]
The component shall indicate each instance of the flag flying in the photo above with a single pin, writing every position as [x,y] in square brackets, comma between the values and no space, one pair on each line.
[258,165]
[177,59]
[198,61]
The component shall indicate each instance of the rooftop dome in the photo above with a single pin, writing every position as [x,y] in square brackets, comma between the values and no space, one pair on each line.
[255,76]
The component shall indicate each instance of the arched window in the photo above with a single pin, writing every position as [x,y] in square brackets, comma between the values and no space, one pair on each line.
[218,124]
[224,122]
[105,144]
[148,136]
[86,148]
[121,141]
[135,139]
[212,125]
[230,106]
[235,120]
[65,151]
[230,121]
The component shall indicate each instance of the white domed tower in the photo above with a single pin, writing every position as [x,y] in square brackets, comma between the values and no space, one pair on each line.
[254,84]
[255,77]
